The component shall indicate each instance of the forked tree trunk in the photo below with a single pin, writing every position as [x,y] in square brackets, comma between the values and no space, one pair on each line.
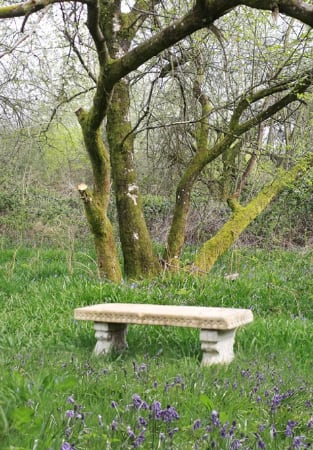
[96,201]
[243,215]
[139,258]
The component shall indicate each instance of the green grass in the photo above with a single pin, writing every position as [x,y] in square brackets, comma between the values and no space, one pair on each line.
[46,357]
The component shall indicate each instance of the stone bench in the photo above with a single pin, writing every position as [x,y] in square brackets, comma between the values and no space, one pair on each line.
[217,325]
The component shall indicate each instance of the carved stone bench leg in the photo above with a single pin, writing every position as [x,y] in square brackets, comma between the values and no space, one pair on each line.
[110,336]
[217,346]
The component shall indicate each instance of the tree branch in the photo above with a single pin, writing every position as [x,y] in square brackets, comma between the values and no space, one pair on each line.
[29,7]
[297,9]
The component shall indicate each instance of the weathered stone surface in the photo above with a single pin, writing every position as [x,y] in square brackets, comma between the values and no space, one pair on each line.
[217,325]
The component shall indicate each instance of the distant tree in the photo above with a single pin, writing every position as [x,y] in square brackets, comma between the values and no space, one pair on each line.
[125,42]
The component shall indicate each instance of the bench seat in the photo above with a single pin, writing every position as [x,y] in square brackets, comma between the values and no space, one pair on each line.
[217,325]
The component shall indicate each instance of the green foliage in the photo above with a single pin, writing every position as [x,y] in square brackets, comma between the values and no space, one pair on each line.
[40,215]
[52,391]
[288,221]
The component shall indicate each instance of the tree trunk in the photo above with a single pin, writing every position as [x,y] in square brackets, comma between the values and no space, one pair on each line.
[139,258]
[176,237]
[96,201]
[243,215]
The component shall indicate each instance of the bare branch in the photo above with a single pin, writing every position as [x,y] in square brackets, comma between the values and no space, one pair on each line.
[64,102]
[29,7]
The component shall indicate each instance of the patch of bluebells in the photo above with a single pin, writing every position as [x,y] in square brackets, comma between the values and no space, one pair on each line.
[149,424]
[154,413]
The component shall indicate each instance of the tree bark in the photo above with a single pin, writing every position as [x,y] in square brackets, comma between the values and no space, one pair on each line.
[139,257]
[243,215]
[176,237]
[96,201]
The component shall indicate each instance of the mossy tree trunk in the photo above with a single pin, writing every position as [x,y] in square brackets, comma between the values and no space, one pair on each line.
[113,32]
[96,201]
[227,143]
[176,237]
[243,215]
[139,258]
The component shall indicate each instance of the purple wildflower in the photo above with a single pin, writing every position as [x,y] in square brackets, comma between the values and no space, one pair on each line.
[232,428]
[71,400]
[139,439]
[310,423]
[138,402]
[297,442]
[223,432]
[67,446]
[130,432]
[155,408]
[215,418]
[196,425]
[235,445]
[172,432]
[289,428]
[114,404]
[114,425]
[70,413]
[142,421]
[169,414]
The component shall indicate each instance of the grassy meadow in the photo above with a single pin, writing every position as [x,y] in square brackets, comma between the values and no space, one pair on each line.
[55,395]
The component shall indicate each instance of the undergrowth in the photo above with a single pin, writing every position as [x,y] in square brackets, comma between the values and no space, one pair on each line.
[55,395]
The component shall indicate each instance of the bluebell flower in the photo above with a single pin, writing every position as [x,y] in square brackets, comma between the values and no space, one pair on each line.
[289,428]
[67,446]
[297,442]
[130,432]
[139,440]
[139,403]
[172,432]
[70,413]
[215,418]
[156,409]
[235,444]
[142,421]
[169,414]
[197,424]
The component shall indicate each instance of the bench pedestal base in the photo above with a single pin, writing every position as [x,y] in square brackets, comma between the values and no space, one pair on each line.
[217,345]
[110,336]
